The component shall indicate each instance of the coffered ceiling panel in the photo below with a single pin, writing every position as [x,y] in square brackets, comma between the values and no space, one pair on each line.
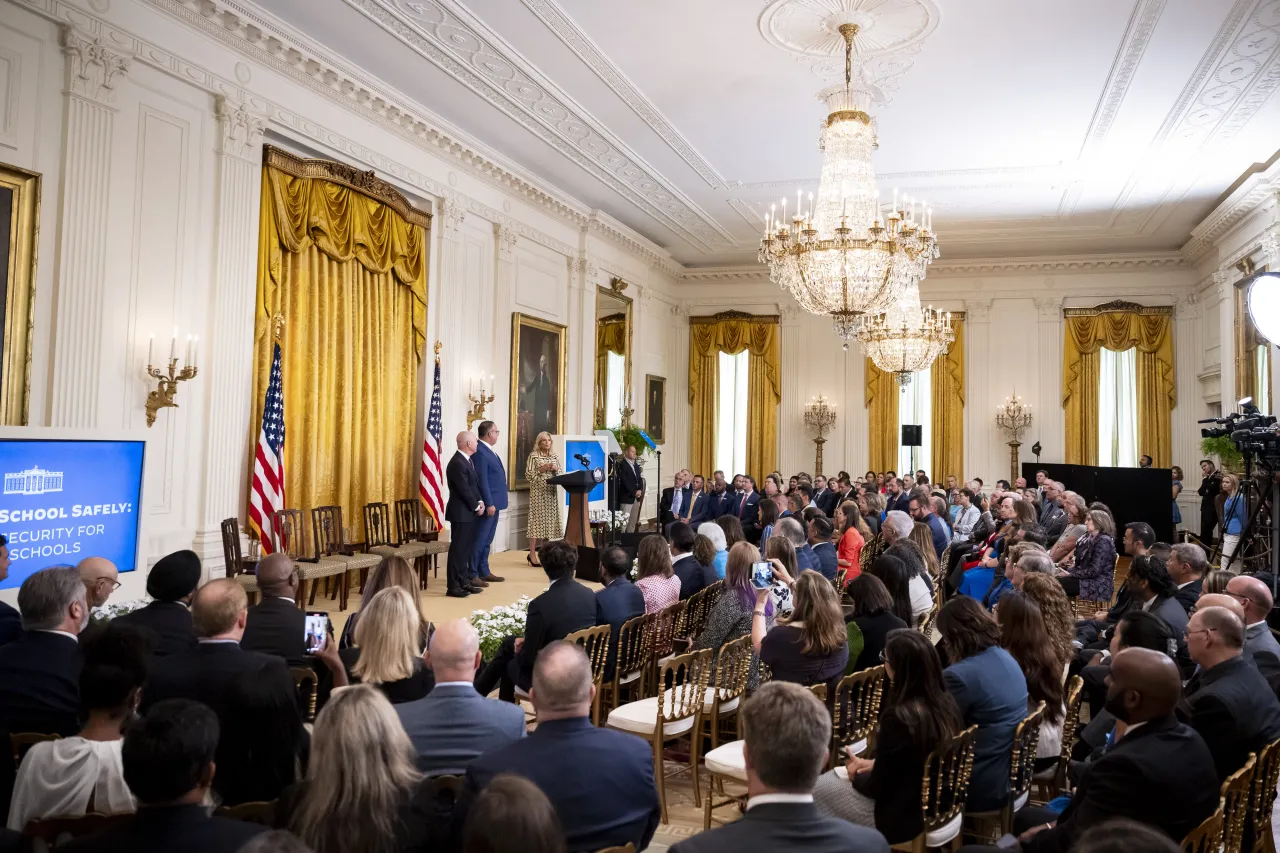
[1034,126]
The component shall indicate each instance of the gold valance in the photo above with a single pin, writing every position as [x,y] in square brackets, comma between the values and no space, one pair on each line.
[611,335]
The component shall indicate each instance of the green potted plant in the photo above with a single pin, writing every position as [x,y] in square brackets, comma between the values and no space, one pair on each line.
[629,436]
[1229,458]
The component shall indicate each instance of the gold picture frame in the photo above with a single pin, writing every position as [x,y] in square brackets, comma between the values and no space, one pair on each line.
[538,400]
[655,397]
[20,223]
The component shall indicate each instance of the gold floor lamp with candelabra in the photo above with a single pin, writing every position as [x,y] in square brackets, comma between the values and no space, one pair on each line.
[821,415]
[1013,416]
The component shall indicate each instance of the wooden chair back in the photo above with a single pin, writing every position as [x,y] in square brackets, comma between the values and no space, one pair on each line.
[699,608]
[945,782]
[408,526]
[262,813]
[377,525]
[635,646]
[20,742]
[856,710]
[1022,760]
[231,556]
[925,625]
[307,685]
[326,530]
[1262,794]
[595,642]
[1235,801]
[820,692]
[1207,837]
[55,829]
[733,669]
[1084,608]
[687,676]
[839,582]
[665,624]
[291,535]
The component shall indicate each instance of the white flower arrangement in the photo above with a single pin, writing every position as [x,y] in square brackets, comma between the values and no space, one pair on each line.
[497,624]
[635,568]
[614,518]
[119,608]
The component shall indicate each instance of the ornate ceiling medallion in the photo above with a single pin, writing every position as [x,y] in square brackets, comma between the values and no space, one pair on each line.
[811,28]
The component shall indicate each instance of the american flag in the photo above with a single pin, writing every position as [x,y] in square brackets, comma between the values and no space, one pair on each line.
[431,477]
[266,496]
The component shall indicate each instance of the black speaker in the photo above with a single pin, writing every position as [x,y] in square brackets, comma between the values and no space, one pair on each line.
[912,435]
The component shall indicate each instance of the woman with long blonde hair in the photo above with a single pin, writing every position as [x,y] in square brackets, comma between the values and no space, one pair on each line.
[362,782]
[544,508]
[387,654]
[392,571]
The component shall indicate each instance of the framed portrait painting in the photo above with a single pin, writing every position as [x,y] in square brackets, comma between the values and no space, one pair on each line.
[655,410]
[19,232]
[539,371]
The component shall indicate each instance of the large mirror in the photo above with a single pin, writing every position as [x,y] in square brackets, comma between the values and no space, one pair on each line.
[613,355]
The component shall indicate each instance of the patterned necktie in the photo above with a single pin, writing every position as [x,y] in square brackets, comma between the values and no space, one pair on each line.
[675,502]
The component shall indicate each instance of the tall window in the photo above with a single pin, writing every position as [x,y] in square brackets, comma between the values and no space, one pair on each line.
[915,404]
[1117,408]
[616,388]
[731,414]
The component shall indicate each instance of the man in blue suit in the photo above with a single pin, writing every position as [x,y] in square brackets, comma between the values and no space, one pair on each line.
[746,506]
[493,491]
[618,602]
[700,503]
[600,781]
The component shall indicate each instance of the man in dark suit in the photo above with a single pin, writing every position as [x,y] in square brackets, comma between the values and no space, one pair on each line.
[172,582]
[463,510]
[823,550]
[1053,518]
[693,575]
[565,607]
[746,506]
[275,626]
[619,601]
[699,503]
[824,498]
[895,498]
[168,761]
[491,476]
[1210,488]
[453,723]
[600,781]
[1159,771]
[792,528]
[1187,567]
[629,485]
[676,500]
[719,497]
[786,733]
[40,671]
[10,620]
[1227,701]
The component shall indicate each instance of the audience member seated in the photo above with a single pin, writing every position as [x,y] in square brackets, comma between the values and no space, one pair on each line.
[812,646]
[453,723]
[786,735]
[1092,576]
[921,582]
[261,720]
[168,761]
[362,791]
[40,671]
[1159,771]
[991,692]
[1064,547]
[100,578]
[694,575]
[1153,591]
[391,571]
[1059,620]
[920,508]
[62,778]
[974,575]
[655,579]
[599,780]
[793,530]
[714,534]
[769,515]
[871,506]
[873,614]
[732,528]
[512,816]
[275,625]
[1138,539]
[1053,515]
[1023,636]
[10,619]
[916,715]
[1187,566]
[1215,581]
[1121,835]
[620,600]
[854,533]
[966,517]
[1255,597]
[565,607]
[780,549]
[171,582]
[387,653]
[920,537]
[1227,701]
[732,615]
[824,550]
[897,579]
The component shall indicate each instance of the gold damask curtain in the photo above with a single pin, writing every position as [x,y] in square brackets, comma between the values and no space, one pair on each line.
[346,271]
[882,391]
[733,333]
[1150,330]
[611,336]
[947,384]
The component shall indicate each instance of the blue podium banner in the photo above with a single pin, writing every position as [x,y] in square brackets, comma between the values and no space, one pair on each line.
[65,500]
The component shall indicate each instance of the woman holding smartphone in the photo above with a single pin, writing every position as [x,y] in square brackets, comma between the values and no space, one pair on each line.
[732,614]
[812,647]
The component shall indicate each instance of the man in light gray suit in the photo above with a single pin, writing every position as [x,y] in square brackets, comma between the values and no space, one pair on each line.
[453,723]
[1255,597]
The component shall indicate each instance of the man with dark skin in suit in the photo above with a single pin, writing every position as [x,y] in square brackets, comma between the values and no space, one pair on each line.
[277,577]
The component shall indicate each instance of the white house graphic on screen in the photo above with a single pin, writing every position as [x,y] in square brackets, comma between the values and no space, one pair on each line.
[33,481]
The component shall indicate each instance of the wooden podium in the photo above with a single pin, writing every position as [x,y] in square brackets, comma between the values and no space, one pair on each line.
[577,528]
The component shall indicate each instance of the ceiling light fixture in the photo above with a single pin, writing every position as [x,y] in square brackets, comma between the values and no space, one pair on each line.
[906,338]
[835,257]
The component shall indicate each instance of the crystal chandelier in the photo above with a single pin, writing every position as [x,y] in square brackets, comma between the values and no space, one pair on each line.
[836,258]
[906,338]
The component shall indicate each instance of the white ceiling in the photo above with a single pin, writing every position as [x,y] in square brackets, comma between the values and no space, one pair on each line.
[1033,127]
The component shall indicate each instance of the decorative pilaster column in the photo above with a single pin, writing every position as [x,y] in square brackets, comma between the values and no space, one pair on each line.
[505,238]
[1050,427]
[1271,257]
[584,275]
[93,73]
[447,307]
[238,164]
[678,409]
[1224,287]
[980,435]
[795,451]
[1188,352]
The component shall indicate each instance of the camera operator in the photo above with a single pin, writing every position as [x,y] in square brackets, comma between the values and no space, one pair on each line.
[1210,486]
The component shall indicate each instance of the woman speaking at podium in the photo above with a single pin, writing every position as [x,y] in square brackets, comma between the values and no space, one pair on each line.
[544,509]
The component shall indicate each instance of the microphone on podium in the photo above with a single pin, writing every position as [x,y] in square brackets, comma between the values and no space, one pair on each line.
[585,460]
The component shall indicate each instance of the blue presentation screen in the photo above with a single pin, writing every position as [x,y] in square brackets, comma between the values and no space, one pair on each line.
[593,451]
[65,500]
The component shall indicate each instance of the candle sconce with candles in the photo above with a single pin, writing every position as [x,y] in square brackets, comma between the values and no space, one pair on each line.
[164,395]
[821,415]
[1013,416]
[478,403]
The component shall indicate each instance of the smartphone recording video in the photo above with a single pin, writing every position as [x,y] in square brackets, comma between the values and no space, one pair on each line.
[316,630]
[762,574]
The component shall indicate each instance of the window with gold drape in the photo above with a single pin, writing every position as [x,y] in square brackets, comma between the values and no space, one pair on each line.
[732,332]
[882,418]
[947,375]
[342,261]
[1118,326]
[611,337]
[1252,355]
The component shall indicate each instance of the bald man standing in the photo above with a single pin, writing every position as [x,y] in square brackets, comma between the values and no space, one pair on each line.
[1159,771]
[275,625]
[463,512]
